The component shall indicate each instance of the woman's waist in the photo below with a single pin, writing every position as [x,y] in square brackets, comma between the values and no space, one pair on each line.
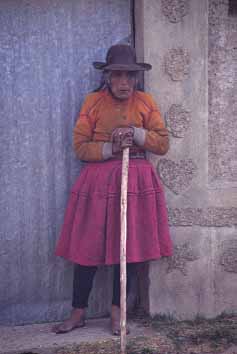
[135,152]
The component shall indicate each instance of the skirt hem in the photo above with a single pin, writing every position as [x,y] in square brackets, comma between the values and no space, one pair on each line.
[108,263]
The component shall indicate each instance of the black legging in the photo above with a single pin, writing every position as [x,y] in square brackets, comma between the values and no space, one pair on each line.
[83,281]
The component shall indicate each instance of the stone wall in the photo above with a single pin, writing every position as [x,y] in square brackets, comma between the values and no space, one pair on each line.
[192,47]
[46,51]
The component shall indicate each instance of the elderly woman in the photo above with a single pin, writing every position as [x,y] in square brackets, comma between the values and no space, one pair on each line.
[111,119]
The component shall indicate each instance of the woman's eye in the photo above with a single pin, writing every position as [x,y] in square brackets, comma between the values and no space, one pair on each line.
[131,75]
[117,74]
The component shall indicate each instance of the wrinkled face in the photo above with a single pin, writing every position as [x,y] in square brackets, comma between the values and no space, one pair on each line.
[122,83]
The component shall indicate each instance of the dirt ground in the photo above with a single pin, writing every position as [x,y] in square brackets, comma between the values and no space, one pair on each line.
[216,336]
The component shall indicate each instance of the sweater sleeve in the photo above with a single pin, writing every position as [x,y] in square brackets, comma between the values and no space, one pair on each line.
[156,137]
[86,149]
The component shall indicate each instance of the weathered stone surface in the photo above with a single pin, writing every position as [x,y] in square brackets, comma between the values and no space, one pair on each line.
[228,257]
[209,217]
[182,255]
[177,64]
[222,123]
[206,214]
[178,120]
[175,10]
[206,289]
[217,9]
[177,176]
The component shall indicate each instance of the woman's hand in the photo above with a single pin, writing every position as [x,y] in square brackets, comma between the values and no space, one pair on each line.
[122,138]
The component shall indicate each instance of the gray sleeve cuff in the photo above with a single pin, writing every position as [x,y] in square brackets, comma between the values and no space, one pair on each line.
[107,151]
[139,136]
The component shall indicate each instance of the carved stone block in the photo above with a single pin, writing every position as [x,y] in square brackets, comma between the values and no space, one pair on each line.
[177,176]
[175,10]
[182,255]
[228,257]
[177,64]
[178,120]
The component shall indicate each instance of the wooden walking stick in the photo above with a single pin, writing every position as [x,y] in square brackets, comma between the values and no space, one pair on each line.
[123,240]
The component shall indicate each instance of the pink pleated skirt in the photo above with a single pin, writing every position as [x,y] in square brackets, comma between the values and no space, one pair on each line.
[91,230]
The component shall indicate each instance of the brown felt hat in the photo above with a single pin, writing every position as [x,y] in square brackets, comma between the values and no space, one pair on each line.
[121,57]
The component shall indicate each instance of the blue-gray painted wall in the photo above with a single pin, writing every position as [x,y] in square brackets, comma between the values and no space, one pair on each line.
[46,50]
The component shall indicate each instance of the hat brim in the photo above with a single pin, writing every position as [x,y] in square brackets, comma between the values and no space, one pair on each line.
[122,67]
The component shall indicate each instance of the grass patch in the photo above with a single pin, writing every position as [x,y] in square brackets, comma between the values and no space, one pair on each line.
[217,333]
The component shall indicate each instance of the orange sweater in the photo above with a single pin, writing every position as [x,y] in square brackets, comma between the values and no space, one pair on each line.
[101,114]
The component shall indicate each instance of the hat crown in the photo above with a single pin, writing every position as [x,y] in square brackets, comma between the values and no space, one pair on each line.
[121,54]
[121,57]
